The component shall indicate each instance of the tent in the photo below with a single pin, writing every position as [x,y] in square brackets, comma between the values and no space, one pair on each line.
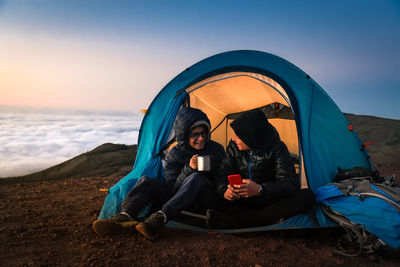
[223,85]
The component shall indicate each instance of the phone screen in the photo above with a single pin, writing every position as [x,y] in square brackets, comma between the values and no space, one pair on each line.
[235,179]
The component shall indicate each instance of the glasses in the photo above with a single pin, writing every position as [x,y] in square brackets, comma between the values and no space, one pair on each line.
[195,136]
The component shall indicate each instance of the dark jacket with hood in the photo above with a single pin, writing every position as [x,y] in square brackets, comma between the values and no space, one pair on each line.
[268,162]
[177,160]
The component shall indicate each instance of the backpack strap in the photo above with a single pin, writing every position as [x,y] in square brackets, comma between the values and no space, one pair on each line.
[356,235]
[361,195]
[363,187]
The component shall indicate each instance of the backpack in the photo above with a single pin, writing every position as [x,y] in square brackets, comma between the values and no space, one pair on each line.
[359,172]
[367,207]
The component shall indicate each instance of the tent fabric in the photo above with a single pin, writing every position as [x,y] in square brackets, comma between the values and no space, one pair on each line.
[229,87]
[240,80]
[297,222]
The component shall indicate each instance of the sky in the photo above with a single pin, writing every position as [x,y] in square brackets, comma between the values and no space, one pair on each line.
[117,55]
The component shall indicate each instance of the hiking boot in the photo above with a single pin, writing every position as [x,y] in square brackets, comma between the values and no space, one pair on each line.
[152,225]
[114,225]
[220,220]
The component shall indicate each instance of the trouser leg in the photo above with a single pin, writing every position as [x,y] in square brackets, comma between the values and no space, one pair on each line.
[185,196]
[300,202]
[146,190]
[207,198]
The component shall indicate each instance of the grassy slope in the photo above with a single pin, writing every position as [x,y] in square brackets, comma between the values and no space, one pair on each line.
[385,133]
[103,161]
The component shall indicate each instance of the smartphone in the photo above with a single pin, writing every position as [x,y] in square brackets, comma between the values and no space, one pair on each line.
[235,179]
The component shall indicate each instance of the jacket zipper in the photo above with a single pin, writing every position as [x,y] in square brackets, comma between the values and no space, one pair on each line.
[249,165]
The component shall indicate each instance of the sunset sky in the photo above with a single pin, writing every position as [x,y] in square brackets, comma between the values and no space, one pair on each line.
[117,55]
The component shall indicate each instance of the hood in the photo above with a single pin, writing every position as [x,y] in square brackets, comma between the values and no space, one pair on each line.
[254,129]
[186,119]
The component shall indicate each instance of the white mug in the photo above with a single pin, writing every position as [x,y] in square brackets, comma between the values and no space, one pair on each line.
[204,163]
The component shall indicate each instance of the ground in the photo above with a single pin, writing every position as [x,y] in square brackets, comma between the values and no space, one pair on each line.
[50,224]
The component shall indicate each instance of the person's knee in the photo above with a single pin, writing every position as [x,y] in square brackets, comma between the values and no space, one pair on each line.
[145,181]
[195,179]
[308,193]
[307,197]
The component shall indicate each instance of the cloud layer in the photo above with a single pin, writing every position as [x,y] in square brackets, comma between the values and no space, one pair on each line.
[35,139]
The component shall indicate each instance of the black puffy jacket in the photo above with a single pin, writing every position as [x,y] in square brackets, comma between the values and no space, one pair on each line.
[270,166]
[177,160]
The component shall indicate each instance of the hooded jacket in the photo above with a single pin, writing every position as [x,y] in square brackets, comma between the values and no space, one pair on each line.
[268,162]
[177,160]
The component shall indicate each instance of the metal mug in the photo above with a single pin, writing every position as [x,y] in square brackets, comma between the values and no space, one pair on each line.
[204,163]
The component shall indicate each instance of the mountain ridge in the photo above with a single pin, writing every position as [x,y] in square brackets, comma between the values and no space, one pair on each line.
[385,135]
[111,160]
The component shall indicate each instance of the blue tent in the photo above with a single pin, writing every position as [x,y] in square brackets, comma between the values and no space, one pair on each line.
[314,129]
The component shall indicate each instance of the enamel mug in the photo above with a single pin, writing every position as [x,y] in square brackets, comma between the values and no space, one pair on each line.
[204,163]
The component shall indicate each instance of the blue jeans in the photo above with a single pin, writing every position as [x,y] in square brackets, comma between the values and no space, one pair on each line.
[194,187]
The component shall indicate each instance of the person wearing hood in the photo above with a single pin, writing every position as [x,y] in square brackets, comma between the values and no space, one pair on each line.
[183,184]
[270,190]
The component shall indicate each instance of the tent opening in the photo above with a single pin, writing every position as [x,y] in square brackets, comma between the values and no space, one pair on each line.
[223,97]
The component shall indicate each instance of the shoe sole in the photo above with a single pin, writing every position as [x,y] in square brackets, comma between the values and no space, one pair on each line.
[110,227]
[144,230]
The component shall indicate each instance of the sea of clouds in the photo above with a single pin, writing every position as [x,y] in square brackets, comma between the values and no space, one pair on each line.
[33,139]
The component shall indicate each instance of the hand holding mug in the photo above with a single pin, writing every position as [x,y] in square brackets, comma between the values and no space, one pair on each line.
[193,162]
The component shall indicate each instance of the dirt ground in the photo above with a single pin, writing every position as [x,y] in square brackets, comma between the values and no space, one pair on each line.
[50,224]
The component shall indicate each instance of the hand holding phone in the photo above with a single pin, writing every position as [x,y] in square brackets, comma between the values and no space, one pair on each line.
[235,179]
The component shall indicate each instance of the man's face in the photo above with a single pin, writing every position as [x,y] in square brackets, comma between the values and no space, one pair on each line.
[198,137]
[240,144]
